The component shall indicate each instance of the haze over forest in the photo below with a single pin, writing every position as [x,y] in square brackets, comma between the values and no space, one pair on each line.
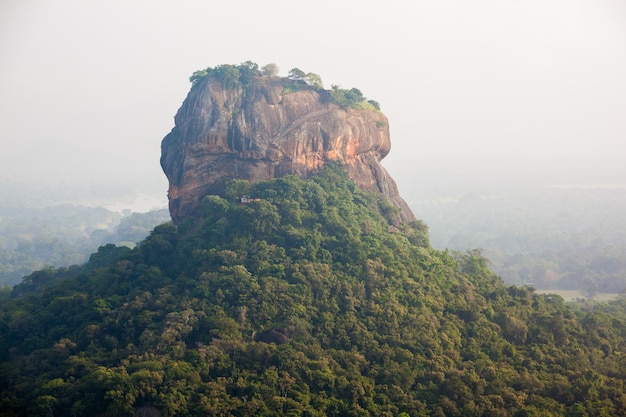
[475,92]
[314,296]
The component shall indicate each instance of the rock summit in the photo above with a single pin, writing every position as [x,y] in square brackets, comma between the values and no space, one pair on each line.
[269,127]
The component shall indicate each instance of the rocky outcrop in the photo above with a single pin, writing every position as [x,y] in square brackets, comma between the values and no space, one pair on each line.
[260,132]
[277,335]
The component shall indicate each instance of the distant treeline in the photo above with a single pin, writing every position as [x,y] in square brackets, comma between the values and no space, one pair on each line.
[64,235]
[551,238]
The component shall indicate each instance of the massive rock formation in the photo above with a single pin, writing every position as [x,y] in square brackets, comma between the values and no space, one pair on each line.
[262,131]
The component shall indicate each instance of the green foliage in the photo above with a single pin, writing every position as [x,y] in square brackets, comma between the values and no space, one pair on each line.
[374,322]
[352,98]
[303,81]
[231,76]
[107,255]
[550,238]
[228,75]
[314,80]
[199,75]
[34,238]
[296,74]
[270,70]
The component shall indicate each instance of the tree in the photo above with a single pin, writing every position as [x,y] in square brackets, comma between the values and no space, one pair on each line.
[198,75]
[237,188]
[353,98]
[591,284]
[247,71]
[363,322]
[228,74]
[270,70]
[374,103]
[249,66]
[314,81]
[107,254]
[296,74]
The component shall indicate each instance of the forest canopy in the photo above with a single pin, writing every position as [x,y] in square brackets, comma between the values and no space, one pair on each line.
[304,300]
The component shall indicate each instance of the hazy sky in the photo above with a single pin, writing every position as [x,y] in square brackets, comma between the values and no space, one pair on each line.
[89,88]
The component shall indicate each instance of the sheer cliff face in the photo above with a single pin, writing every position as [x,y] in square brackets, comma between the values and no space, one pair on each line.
[258,133]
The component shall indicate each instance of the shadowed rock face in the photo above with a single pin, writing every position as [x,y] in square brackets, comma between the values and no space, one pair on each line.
[277,335]
[258,133]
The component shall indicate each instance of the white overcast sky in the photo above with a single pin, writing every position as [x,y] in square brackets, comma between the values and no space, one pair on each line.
[89,88]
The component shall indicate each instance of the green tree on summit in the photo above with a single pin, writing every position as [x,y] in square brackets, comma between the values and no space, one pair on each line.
[296,74]
[311,79]
[270,70]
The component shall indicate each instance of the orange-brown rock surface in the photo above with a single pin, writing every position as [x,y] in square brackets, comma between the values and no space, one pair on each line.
[259,132]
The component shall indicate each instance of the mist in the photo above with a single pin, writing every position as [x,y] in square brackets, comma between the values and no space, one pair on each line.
[476,92]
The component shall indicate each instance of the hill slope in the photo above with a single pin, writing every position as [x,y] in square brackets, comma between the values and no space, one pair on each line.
[304,301]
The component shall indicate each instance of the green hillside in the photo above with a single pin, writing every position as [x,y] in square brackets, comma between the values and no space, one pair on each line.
[304,301]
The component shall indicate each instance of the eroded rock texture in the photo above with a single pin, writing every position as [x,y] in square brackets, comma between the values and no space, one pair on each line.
[258,132]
